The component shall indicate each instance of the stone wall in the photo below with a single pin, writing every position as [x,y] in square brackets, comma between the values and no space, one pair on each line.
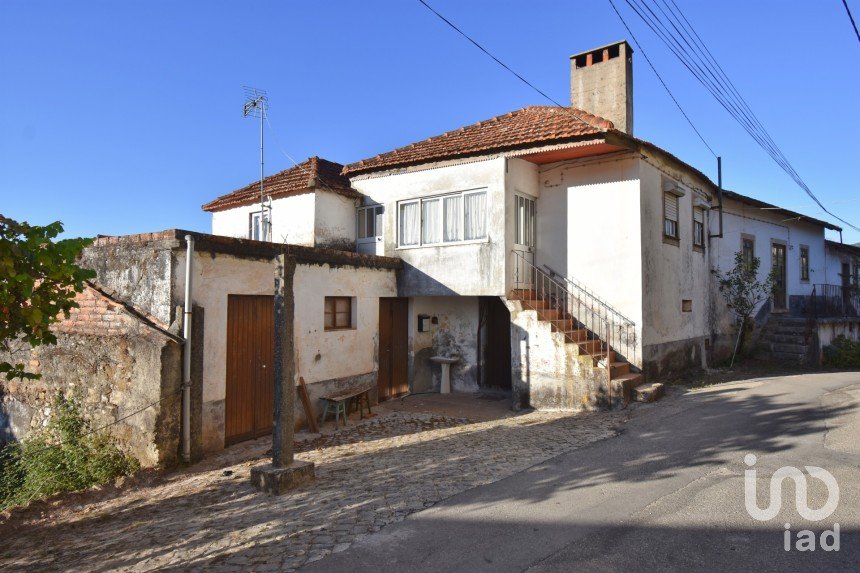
[115,363]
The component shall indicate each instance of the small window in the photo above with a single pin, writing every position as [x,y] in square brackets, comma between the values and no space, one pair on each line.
[370,222]
[804,263]
[255,226]
[698,227]
[338,312]
[670,215]
[686,305]
[748,250]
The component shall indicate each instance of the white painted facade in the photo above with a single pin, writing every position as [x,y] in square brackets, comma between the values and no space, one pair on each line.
[314,219]
[320,356]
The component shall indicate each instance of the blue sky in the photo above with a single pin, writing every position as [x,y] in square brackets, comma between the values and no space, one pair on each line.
[124,117]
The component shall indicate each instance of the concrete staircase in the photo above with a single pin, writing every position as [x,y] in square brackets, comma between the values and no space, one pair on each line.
[597,376]
[787,339]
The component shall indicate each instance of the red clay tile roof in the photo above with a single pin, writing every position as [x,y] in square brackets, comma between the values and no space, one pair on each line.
[306,177]
[533,125]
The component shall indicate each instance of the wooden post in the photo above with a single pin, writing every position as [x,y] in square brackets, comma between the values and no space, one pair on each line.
[284,473]
[285,385]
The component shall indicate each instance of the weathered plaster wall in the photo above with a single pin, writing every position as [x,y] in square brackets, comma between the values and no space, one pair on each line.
[293,220]
[834,258]
[588,227]
[439,270]
[215,277]
[114,365]
[546,373]
[326,355]
[672,340]
[334,225]
[829,329]
[139,273]
[456,333]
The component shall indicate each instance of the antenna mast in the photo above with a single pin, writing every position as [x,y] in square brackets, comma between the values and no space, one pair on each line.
[256,105]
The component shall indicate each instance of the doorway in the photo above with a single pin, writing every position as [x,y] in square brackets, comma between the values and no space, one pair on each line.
[393,377]
[497,357]
[777,252]
[250,377]
[524,241]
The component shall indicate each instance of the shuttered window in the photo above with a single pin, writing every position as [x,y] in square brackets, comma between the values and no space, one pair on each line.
[699,227]
[670,215]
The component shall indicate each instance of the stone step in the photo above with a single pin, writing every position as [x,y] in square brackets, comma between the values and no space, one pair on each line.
[534,303]
[648,392]
[787,331]
[619,369]
[785,339]
[790,348]
[592,346]
[625,384]
[788,356]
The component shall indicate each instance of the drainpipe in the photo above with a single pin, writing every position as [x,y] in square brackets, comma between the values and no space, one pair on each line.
[186,356]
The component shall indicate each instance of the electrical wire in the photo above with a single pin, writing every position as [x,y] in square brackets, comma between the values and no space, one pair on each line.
[673,28]
[659,77]
[851,17]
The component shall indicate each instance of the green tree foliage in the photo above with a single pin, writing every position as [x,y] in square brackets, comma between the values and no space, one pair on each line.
[68,455]
[743,291]
[38,283]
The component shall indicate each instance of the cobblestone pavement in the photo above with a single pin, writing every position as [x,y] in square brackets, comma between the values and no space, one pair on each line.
[369,475]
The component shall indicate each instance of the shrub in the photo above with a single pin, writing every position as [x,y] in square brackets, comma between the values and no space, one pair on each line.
[842,353]
[68,455]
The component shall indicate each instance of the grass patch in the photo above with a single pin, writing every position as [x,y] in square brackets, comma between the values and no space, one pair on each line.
[842,353]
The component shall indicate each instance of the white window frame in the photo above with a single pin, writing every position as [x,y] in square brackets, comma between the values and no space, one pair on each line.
[362,212]
[255,223]
[441,231]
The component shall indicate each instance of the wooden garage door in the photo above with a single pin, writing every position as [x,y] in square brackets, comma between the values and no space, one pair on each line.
[250,379]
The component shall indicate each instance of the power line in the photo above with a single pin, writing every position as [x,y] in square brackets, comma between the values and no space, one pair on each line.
[701,63]
[505,66]
[659,77]
[851,17]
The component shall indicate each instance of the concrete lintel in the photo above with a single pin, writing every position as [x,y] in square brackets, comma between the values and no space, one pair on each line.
[277,481]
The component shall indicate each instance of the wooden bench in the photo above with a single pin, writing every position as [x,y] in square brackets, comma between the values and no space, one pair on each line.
[338,403]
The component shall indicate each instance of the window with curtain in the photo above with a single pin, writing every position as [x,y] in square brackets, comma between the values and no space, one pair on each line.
[670,215]
[453,208]
[431,221]
[448,219]
[475,220]
[409,225]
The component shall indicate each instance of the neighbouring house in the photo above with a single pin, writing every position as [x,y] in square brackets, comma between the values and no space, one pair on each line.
[126,353]
[548,253]
[314,206]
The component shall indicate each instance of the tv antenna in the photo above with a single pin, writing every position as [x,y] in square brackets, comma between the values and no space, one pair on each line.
[256,105]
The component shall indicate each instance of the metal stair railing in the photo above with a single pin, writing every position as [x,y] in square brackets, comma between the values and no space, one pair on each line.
[574,300]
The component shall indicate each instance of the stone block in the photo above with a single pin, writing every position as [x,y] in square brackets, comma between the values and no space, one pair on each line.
[277,481]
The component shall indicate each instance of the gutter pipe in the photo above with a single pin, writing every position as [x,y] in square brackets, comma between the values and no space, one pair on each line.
[186,355]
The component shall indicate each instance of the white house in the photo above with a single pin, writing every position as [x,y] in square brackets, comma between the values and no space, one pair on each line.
[550,251]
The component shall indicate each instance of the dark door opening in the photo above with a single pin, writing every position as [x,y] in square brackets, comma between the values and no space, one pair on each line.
[250,378]
[778,266]
[393,376]
[497,349]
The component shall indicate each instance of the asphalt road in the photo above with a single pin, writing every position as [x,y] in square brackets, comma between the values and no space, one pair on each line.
[668,494]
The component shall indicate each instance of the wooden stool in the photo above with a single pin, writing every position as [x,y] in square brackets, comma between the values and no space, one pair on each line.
[363,399]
